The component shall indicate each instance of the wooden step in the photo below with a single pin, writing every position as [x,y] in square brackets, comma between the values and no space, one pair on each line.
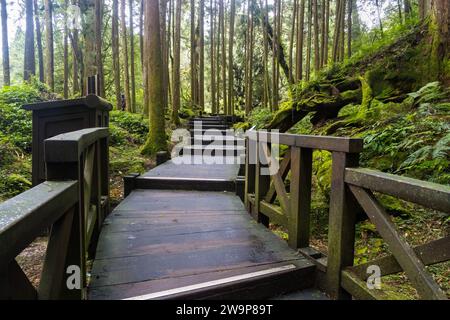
[266,283]
[224,140]
[212,150]
[198,184]
[209,126]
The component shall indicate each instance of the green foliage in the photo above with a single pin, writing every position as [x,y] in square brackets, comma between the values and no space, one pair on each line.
[13,184]
[259,117]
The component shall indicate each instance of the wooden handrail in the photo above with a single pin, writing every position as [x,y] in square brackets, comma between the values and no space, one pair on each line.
[24,217]
[351,190]
[327,143]
[73,202]
[431,195]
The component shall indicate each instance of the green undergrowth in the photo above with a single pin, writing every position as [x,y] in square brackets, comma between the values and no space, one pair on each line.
[127,132]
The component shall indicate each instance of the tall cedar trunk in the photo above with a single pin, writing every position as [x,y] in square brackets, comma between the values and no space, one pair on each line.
[141,32]
[217,40]
[440,11]
[249,98]
[224,56]
[230,59]
[192,62]
[29,69]
[176,65]
[201,82]
[326,32]
[76,58]
[157,136]
[291,41]
[408,8]
[89,56]
[39,42]
[163,32]
[266,99]
[123,25]
[274,55]
[132,72]
[349,30]
[5,46]
[323,33]
[144,60]
[300,41]
[316,37]
[115,52]
[49,48]
[66,51]
[342,31]
[309,44]
[98,47]
[213,56]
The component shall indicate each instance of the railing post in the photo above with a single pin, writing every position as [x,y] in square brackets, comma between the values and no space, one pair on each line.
[249,171]
[341,227]
[299,217]
[262,185]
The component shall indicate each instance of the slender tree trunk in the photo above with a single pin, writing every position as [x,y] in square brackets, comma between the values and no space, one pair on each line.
[274,59]
[201,89]
[29,58]
[5,45]
[230,59]
[213,57]
[249,100]
[291,41]
[115,52]
[66,51]
[316,37]
[49,56]
[193,62]
[176,65]
[132,70]
[164,50]
[309,43]
[266,99]
[224,57]
[141,32]
[125,62]
[300,42]
[350,28]
[327,31]
[39,42]
[156,140]
[98,46]
[89,57]
[408,8]
[145,66]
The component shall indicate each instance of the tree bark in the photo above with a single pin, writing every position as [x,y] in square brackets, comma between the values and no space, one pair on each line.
[201,89]
[98,47]
[300,42]
[212,18]
[66,52]
[39,42]
[230,59]
[115,52]
[132,70]
[49,56]
[125,62]
[193,60]
[224,57]
[176,65]
[291,41]
[316,37]
[5,45]
[29,58]
[156,140]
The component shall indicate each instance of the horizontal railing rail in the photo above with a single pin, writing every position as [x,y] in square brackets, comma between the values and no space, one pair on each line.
[72,203]
[269,199]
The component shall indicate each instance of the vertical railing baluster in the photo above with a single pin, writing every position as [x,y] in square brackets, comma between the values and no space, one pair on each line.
[249,172]
[341,227]
[299,217]
[262,185]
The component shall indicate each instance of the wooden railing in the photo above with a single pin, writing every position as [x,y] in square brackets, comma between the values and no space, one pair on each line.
[73,203]
[350,191]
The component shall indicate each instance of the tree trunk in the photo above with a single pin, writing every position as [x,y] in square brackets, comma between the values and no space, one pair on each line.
[66,51]
[132,71]
[123,25]
[212,19]
[349,26]
[291,41]
[230,59]
[49,56]
[39,41]
[156,140]
[316,37]
[176,66]
[5,45]
[224,57]
[193,62]
[300,42]
[115,52]
[89,56]
[29,69]
[164,50]
[309,43]
[98,47]
[201,89]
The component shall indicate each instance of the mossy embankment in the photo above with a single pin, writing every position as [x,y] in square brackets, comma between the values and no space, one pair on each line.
[397,99]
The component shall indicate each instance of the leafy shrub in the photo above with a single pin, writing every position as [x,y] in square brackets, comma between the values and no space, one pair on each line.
[131,122]
[13,184]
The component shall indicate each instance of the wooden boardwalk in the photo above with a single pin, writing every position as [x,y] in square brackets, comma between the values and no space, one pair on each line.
[183,233]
